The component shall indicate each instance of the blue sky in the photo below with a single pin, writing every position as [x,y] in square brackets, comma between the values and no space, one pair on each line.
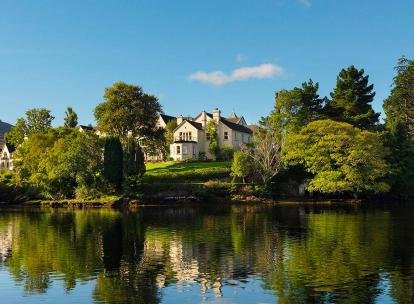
[194,55]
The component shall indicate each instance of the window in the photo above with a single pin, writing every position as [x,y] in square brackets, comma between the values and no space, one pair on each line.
[189,136]
[185,150]
[194,150]
[207,136]
[181,137]
[178,150]
[226,135]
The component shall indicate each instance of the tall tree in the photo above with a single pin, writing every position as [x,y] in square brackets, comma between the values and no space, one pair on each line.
[296,108]
[38,120]
[399,106]
[17,133]
[71,118]
[127,110]
[352,98]
[113,162]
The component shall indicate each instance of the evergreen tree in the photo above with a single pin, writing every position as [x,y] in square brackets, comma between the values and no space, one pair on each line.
[133,159]
[295,108]
[399,106]
[352,98]
[113,162]
[71,119]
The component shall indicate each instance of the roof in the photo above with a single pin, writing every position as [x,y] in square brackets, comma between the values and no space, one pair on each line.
[90,128]
[252,127]
[11,148]
[235,126]
[167,118]
[233,119]
[196,125]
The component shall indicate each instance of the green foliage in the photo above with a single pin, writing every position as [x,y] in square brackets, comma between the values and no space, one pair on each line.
[71,118]
[401,160]
[352,98]
[38,120]
[296,108]
[169,131]
[342,158]
[242,165]
[127,110]
[113,162]
[399,106]
[213,145]
[17,134]
[226,154]
[134,166]
[59,163]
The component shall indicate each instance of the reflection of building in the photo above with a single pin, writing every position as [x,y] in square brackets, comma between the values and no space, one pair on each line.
[5,242]
[182,262]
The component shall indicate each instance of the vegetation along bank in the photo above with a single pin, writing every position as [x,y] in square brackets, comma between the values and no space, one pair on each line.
[308,146]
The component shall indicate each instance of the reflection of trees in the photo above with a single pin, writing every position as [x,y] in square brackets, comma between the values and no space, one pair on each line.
[303,254]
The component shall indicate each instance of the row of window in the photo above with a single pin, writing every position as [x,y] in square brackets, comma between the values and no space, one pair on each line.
[226,136]
[185,150]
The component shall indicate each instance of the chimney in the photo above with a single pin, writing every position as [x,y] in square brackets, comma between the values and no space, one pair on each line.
[179,119]
[216,115]
[203,118]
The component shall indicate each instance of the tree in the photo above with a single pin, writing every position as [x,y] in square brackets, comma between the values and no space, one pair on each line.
[213,146]
[169,131]
[17,133]
[242,165]
[296,108]
[38,120]
[127,110]
[401,160]
[71,119]
[113,162]
[340,157]
[134,164]
[399,106]
[352,98]
[265,154]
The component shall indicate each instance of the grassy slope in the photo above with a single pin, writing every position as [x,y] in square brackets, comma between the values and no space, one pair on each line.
[186,171]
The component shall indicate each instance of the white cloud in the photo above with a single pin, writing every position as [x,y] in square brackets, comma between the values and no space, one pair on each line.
[305,3]
[218,78]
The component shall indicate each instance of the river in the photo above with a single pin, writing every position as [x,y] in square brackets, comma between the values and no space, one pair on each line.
[210,254]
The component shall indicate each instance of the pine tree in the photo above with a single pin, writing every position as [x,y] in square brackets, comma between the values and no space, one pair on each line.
[71,119]
[352,98]
[113,162]
[399,106]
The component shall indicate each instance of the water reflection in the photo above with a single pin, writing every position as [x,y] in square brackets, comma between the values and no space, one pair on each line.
[233,254]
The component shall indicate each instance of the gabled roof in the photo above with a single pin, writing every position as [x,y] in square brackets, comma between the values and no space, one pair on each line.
[233,119]
[196,125]
[235,126]
[167,118]
[252,127]
[90,128]
[11,148]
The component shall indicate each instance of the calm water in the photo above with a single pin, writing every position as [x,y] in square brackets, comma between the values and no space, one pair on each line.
[231,254]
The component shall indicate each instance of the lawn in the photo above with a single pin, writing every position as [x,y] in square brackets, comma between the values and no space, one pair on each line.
[186,171]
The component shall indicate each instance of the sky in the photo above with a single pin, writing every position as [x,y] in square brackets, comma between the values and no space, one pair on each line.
[193,55]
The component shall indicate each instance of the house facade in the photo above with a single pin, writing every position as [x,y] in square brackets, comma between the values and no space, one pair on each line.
[191,139]
[6,157]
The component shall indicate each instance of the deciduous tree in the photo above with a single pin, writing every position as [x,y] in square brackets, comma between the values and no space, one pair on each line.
[341,158]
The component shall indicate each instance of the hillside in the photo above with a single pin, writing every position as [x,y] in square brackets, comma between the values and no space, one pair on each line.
[4,127]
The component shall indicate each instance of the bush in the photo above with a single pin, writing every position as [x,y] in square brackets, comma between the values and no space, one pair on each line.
[226,154]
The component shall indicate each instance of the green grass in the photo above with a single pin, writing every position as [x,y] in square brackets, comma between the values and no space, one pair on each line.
[186,171]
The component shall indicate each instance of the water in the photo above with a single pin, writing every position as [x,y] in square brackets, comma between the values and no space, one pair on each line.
[227,254]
